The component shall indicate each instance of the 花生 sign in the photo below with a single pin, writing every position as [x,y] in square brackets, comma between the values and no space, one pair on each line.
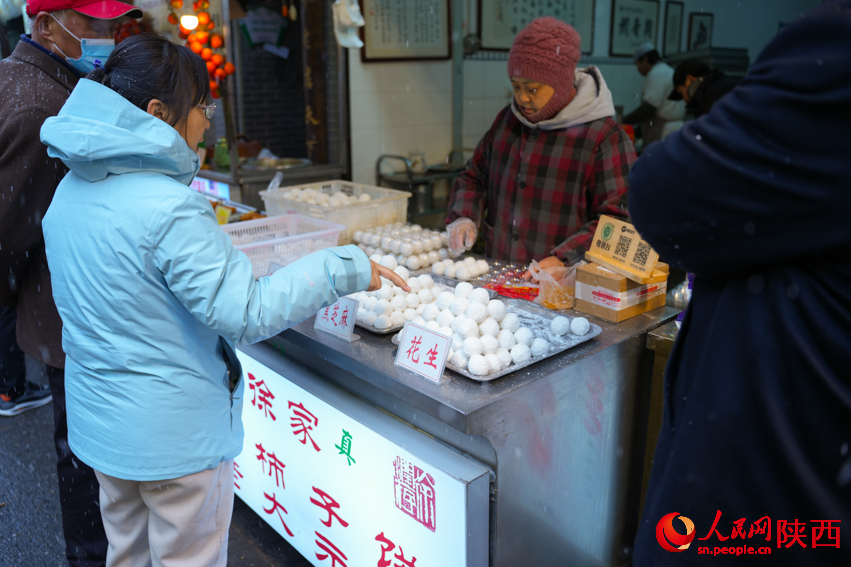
[341,491]
[423,351]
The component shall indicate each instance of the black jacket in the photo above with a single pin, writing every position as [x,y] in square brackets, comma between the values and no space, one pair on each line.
[754,199]
[712,87]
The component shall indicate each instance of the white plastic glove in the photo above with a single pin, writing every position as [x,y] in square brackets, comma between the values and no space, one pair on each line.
[462,234]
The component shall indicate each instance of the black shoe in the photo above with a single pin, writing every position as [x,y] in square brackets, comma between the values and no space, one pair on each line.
[34,396]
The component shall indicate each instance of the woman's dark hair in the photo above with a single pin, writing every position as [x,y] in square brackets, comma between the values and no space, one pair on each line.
[144,67]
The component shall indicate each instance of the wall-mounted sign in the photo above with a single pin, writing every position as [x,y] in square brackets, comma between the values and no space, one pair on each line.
[501,20]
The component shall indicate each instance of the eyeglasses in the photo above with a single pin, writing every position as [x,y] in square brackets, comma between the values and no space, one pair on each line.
[209,110]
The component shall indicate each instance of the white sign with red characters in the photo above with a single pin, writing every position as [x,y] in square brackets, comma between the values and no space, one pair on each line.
[353,488]
[423,351]
[339,319]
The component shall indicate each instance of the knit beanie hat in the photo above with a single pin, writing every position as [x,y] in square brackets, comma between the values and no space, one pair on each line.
[547,51]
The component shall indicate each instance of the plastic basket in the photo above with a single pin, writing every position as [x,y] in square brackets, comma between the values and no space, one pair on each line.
[282,239]
[386,206]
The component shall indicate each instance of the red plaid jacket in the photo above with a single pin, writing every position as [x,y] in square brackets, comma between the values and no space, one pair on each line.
[543,190]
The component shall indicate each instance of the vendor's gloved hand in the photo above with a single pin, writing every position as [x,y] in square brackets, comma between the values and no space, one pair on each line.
[548,262]
[379,271]
[462,235]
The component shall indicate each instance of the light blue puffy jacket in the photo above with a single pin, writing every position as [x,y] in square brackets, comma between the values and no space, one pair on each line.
[146,282]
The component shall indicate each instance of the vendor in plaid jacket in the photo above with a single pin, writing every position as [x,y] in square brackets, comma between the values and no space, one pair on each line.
[551,163]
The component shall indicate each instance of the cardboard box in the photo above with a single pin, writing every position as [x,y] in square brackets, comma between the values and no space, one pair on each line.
[608,295]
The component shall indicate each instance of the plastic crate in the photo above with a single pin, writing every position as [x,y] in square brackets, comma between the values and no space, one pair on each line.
[386,206]
[281,239]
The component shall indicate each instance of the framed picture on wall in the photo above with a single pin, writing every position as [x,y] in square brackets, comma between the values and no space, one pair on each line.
[501,20]
[699,30]
[634,22]
[402,31]
[673,28]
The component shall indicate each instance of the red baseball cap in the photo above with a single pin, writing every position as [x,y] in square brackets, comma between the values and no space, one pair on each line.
[98,9]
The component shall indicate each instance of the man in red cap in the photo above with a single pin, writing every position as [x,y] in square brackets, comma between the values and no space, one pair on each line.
[69,37]
[551,163]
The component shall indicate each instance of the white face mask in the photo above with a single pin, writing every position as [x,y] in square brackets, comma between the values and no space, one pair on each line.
[93,52]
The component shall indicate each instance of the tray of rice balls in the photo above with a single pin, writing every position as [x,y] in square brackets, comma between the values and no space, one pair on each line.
[490,337]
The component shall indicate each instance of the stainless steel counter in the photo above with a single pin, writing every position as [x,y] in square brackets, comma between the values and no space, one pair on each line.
[565,437]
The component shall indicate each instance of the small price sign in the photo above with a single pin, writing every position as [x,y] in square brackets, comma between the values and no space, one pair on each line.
[339,319]
[423,351]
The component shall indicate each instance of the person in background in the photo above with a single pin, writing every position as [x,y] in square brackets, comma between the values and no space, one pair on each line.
[551,163]
[700,86]
[754,197]
[67,37]
[154,298]
[657,116]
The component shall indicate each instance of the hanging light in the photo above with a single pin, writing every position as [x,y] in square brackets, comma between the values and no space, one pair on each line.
[189,22]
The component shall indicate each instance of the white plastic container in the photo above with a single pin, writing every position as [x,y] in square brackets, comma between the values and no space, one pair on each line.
[281,239]
[384,207]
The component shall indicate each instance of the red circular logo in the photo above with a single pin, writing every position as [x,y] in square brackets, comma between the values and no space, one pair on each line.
[665,533]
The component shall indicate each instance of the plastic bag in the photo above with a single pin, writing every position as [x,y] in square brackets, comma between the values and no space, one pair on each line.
[557,285]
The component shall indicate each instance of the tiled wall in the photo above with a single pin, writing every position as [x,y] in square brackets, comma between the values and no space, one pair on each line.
[397,108]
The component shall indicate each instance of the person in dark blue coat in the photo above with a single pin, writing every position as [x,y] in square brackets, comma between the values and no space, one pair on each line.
[755,447]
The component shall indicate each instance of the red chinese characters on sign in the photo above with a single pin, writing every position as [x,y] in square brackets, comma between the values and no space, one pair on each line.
[345,316]
[414,492]
[824,533]
[262,397]
[415,347]
[325,316]
[328,504]
[334,316]
[236,475]
[277,507]
[275,465]
[330,550]
[432,355]
[388,546]
[302,423]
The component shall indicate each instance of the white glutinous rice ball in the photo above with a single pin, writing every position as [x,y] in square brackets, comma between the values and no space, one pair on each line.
[467,328]
[370,303]
[370,250]
[444,300]
[489,344]
[420,308]
[479,295]
[382,322]
[383,307]
[418,246]
[449,271]
[472,345]
[463,274]
[510,322]
[406,248]
[560,326]
[365,197]
[489,327]
[414,284]
[418,320]
[399,291]
[477,312]
[456,321]
[437,268]
[524,336]
[445,318]
[399,303]
[386,242]
[357,236]
[416,228]
[506,339]
[457,341]
[463,289]
[459,264]
[402,272]
[459,306]
[496,309]
[520,354]
[369,318]
[478,365]
[410,314]
[483,266]
[445,331]
[413,300]
[397,318]
[388,262]
[376,258]
[426,296]
[412,263]
[386,292]
[394,246]
[459,360]
[494,362]
[504,357]
[432,326]
[469,260]
[424,263]
[474,271]
[539,347]
[431,310]
[579,326]
[444,254]
[426,281]
[427,246]
[433,257]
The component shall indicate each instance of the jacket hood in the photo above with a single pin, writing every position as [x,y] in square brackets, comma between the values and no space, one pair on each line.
[98,132]
[593,101]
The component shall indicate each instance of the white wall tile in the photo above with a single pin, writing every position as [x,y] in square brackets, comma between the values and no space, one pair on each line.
[397,141]
[394,77]
[431,76]
[395,109]
[473,118]
[496,77]
[435,141]
[366,110]
[365,150]
[474,79]
[431,108]
[362,78]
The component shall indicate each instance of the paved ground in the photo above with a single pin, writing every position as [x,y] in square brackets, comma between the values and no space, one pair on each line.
[30,521]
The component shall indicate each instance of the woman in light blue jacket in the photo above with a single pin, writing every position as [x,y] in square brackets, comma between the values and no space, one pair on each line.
[153,298]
